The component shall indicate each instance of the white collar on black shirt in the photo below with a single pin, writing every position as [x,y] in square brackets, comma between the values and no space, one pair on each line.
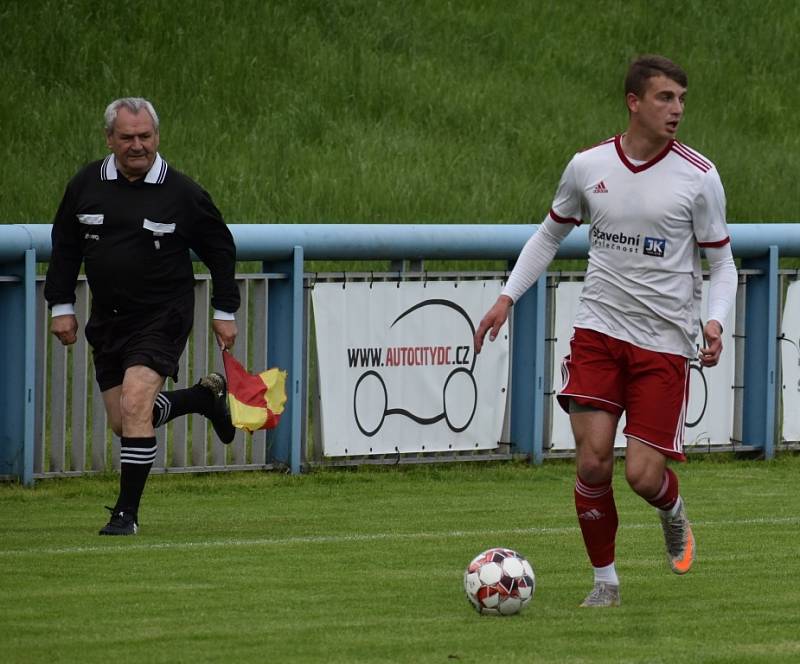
[156,174]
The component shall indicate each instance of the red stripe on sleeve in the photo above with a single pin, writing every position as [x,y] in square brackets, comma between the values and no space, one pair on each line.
[718,243]
[694,154]
[564,220]
[694,162]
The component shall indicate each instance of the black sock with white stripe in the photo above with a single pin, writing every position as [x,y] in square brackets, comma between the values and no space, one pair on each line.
[169,405]
[136,456]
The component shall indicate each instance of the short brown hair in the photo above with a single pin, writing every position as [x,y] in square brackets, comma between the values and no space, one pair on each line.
[647,66]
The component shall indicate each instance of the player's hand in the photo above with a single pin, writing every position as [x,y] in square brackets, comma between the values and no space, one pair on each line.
[65,328]
[712,333]
[493,320]
[225,331]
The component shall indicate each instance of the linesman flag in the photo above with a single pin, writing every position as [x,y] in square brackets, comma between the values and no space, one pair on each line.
[256,401]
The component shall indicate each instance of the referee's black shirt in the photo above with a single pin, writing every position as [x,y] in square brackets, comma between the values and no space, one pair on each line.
[134,239]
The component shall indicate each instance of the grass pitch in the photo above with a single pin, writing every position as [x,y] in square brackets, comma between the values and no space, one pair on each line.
[366,565]
[391,112]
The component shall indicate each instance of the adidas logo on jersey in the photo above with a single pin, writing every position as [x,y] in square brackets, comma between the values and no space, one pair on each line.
[600,188]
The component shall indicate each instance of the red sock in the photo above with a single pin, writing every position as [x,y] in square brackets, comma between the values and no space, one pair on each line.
[597,516]
[667,495]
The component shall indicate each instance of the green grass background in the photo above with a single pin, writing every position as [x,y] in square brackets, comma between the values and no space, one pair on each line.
[366,566]
[409,111]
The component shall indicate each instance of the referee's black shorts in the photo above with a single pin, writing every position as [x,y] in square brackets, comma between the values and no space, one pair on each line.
[154,338]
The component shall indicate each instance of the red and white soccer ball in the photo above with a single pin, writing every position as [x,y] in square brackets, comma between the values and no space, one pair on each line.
[499,582]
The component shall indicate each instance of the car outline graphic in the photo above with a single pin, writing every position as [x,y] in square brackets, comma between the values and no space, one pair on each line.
[372,373]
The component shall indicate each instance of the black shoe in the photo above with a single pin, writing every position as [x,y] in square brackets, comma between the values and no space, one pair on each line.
[121,523]
[220,415]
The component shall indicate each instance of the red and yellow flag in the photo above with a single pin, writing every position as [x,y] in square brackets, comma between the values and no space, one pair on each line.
[256,401]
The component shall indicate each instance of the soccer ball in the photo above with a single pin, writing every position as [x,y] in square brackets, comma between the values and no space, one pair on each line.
[499,582]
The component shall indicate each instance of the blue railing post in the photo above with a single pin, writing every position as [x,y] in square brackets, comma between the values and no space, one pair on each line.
[761,352]
[285,350]
[17,362]
[527,372]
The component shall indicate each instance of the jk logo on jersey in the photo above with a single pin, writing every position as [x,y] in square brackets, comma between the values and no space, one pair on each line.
[654,246]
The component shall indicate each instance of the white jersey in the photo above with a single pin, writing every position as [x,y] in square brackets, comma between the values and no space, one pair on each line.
[648,221]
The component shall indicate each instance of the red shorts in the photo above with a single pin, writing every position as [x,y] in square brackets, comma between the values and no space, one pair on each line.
[651,388]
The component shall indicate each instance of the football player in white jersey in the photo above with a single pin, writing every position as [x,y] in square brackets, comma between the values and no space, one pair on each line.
[652,203]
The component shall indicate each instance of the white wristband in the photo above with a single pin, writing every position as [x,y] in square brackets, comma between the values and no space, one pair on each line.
[62,310]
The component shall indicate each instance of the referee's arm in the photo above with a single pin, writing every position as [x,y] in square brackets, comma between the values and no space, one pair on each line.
[62,271]
[212,241]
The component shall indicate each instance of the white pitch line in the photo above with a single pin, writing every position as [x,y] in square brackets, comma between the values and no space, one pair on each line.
[127,546]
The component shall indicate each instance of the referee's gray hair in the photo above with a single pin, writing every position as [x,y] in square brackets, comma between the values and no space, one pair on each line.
[134,105]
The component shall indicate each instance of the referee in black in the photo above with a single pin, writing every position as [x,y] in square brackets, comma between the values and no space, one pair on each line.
[131,220]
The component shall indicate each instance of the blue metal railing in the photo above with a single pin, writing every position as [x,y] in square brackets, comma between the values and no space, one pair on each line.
[284,248]
[397,241]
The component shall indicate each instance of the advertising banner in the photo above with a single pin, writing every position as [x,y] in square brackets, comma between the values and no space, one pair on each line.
[397,371]
[789,349]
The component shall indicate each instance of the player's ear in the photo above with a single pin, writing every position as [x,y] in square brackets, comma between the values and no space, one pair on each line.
[632,102]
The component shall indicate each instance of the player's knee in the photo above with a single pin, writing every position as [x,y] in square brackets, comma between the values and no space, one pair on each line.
[596,469]
[643,481]
[134,406]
